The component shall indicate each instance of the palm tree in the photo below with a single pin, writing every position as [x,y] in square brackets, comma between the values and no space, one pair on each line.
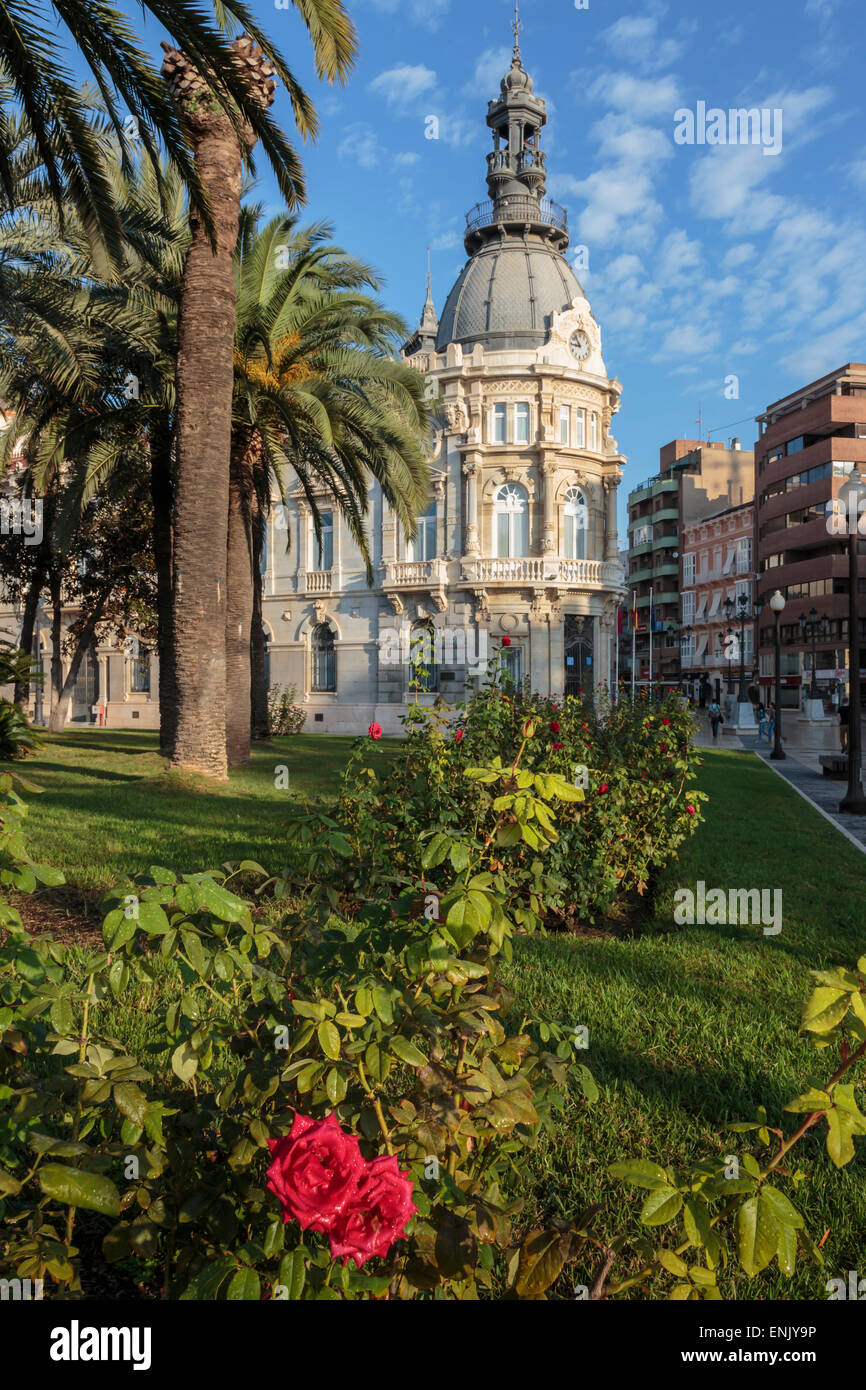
[67,129]
[318,396]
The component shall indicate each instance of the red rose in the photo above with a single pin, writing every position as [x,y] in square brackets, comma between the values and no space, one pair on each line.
[557,746]
[378,1215]
[666,721]
[375,731]
[506,641]
[691,810]
[662,747]
[459,736]
[603,788]
[315,1172]
[554,728]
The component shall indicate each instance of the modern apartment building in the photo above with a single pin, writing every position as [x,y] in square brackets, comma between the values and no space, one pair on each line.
[809,442]
[695,479]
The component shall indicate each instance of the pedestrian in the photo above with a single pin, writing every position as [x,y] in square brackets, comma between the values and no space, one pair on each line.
[844,723]
[772,725]
[715,715]
[762,721]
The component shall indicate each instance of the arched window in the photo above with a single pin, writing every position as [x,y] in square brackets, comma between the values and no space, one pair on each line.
[324,660]
[511,514]
[576,518]
[323,550]
[423,672]
[424,545]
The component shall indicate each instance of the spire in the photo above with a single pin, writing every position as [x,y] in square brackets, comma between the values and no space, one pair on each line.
[425,335]
[516,27]
[428,313]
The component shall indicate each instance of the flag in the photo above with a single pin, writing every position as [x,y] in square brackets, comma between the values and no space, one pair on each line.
[619,620]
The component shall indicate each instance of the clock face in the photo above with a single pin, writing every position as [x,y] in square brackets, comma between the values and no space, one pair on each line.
[579,346]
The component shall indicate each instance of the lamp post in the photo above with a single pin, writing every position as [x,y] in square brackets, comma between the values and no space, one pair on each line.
[741,611]
[777,603]
[811,629]
[852,495]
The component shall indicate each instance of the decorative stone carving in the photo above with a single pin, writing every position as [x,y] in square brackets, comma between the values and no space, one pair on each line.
[321,611]
[396,603]
[457,417]
[482,611]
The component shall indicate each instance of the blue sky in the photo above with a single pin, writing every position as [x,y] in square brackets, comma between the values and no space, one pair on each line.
[705,262]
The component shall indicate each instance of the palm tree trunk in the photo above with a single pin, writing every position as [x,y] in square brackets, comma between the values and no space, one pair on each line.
[161,498]
[55,590]
[21,693]
[259,691]
[205,376]
[246,451]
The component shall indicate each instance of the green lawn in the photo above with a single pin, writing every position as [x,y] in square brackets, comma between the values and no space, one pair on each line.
[110,808]
[693,1027]
[690,1028]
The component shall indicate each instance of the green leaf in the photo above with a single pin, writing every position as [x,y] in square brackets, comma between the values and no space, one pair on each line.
[672,1263]
[810,1101]
[293,1273]
[329,1039]
[245,1287]
[587,1083]
[459,856]
[407,1051]
[824,1009]
[382,1005]
[195,952]
[336,1085]
[661,1206]
[152,919]
[640,1173]
[75,1188]
[61,1016]
[540,1264]
[184,1062]
[131,1102]
[762,1226]
[207,1283]
[435,851]
[841,1126]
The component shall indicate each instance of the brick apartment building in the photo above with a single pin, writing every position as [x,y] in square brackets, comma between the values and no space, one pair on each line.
[809,442]
[695,479]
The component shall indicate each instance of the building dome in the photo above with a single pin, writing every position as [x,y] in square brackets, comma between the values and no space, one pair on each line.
[506,294]
[517,80]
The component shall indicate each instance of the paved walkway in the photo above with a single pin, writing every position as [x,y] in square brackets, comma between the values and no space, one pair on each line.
[803,743]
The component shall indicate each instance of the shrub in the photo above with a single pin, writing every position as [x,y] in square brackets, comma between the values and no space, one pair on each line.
[284,716]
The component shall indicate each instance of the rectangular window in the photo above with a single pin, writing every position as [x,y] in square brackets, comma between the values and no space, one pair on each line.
[688,609]
[139,676]
[564,424]
[642,535]
[500,413]
[511,663]
[323,550]
[689,569]
[521,423]
[581,429]
[794,446]
[593,431]
[744,555]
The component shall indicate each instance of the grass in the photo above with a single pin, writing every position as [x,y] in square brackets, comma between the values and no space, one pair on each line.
[110,807]
[690,1028]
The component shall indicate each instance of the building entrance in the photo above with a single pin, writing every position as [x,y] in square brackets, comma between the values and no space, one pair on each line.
[579,655]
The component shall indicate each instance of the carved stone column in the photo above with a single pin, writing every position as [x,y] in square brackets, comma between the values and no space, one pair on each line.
[548,473]
[472,474]
[611,486]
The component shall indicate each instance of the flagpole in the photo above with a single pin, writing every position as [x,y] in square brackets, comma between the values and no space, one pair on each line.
[651,626]
[616,658]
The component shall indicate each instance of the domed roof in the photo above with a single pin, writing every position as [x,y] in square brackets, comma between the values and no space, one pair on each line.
[505,295]
[517,80]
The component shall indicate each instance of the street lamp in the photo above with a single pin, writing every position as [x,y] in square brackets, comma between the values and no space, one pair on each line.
[852,496]
[740,611]
[813,628]
[777,603]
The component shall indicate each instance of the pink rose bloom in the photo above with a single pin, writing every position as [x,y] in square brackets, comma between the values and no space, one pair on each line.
[378,1215]
[375,731]
[315,1172]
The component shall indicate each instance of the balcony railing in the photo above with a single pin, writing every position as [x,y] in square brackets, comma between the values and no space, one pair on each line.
[318,581]
[545,210]
[541,570]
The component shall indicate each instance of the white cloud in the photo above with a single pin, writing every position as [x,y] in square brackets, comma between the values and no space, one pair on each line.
[635,39]
[490,68]
[738,255]
[638,97]
[856,172]
[407,158]
[428,13]
[361,144]
[402,86]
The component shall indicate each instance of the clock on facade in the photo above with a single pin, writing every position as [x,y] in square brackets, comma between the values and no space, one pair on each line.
[579,346]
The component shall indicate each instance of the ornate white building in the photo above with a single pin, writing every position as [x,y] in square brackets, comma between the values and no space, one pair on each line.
[520,539]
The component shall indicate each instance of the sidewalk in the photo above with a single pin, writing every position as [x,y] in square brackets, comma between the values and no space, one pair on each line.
[803,744]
